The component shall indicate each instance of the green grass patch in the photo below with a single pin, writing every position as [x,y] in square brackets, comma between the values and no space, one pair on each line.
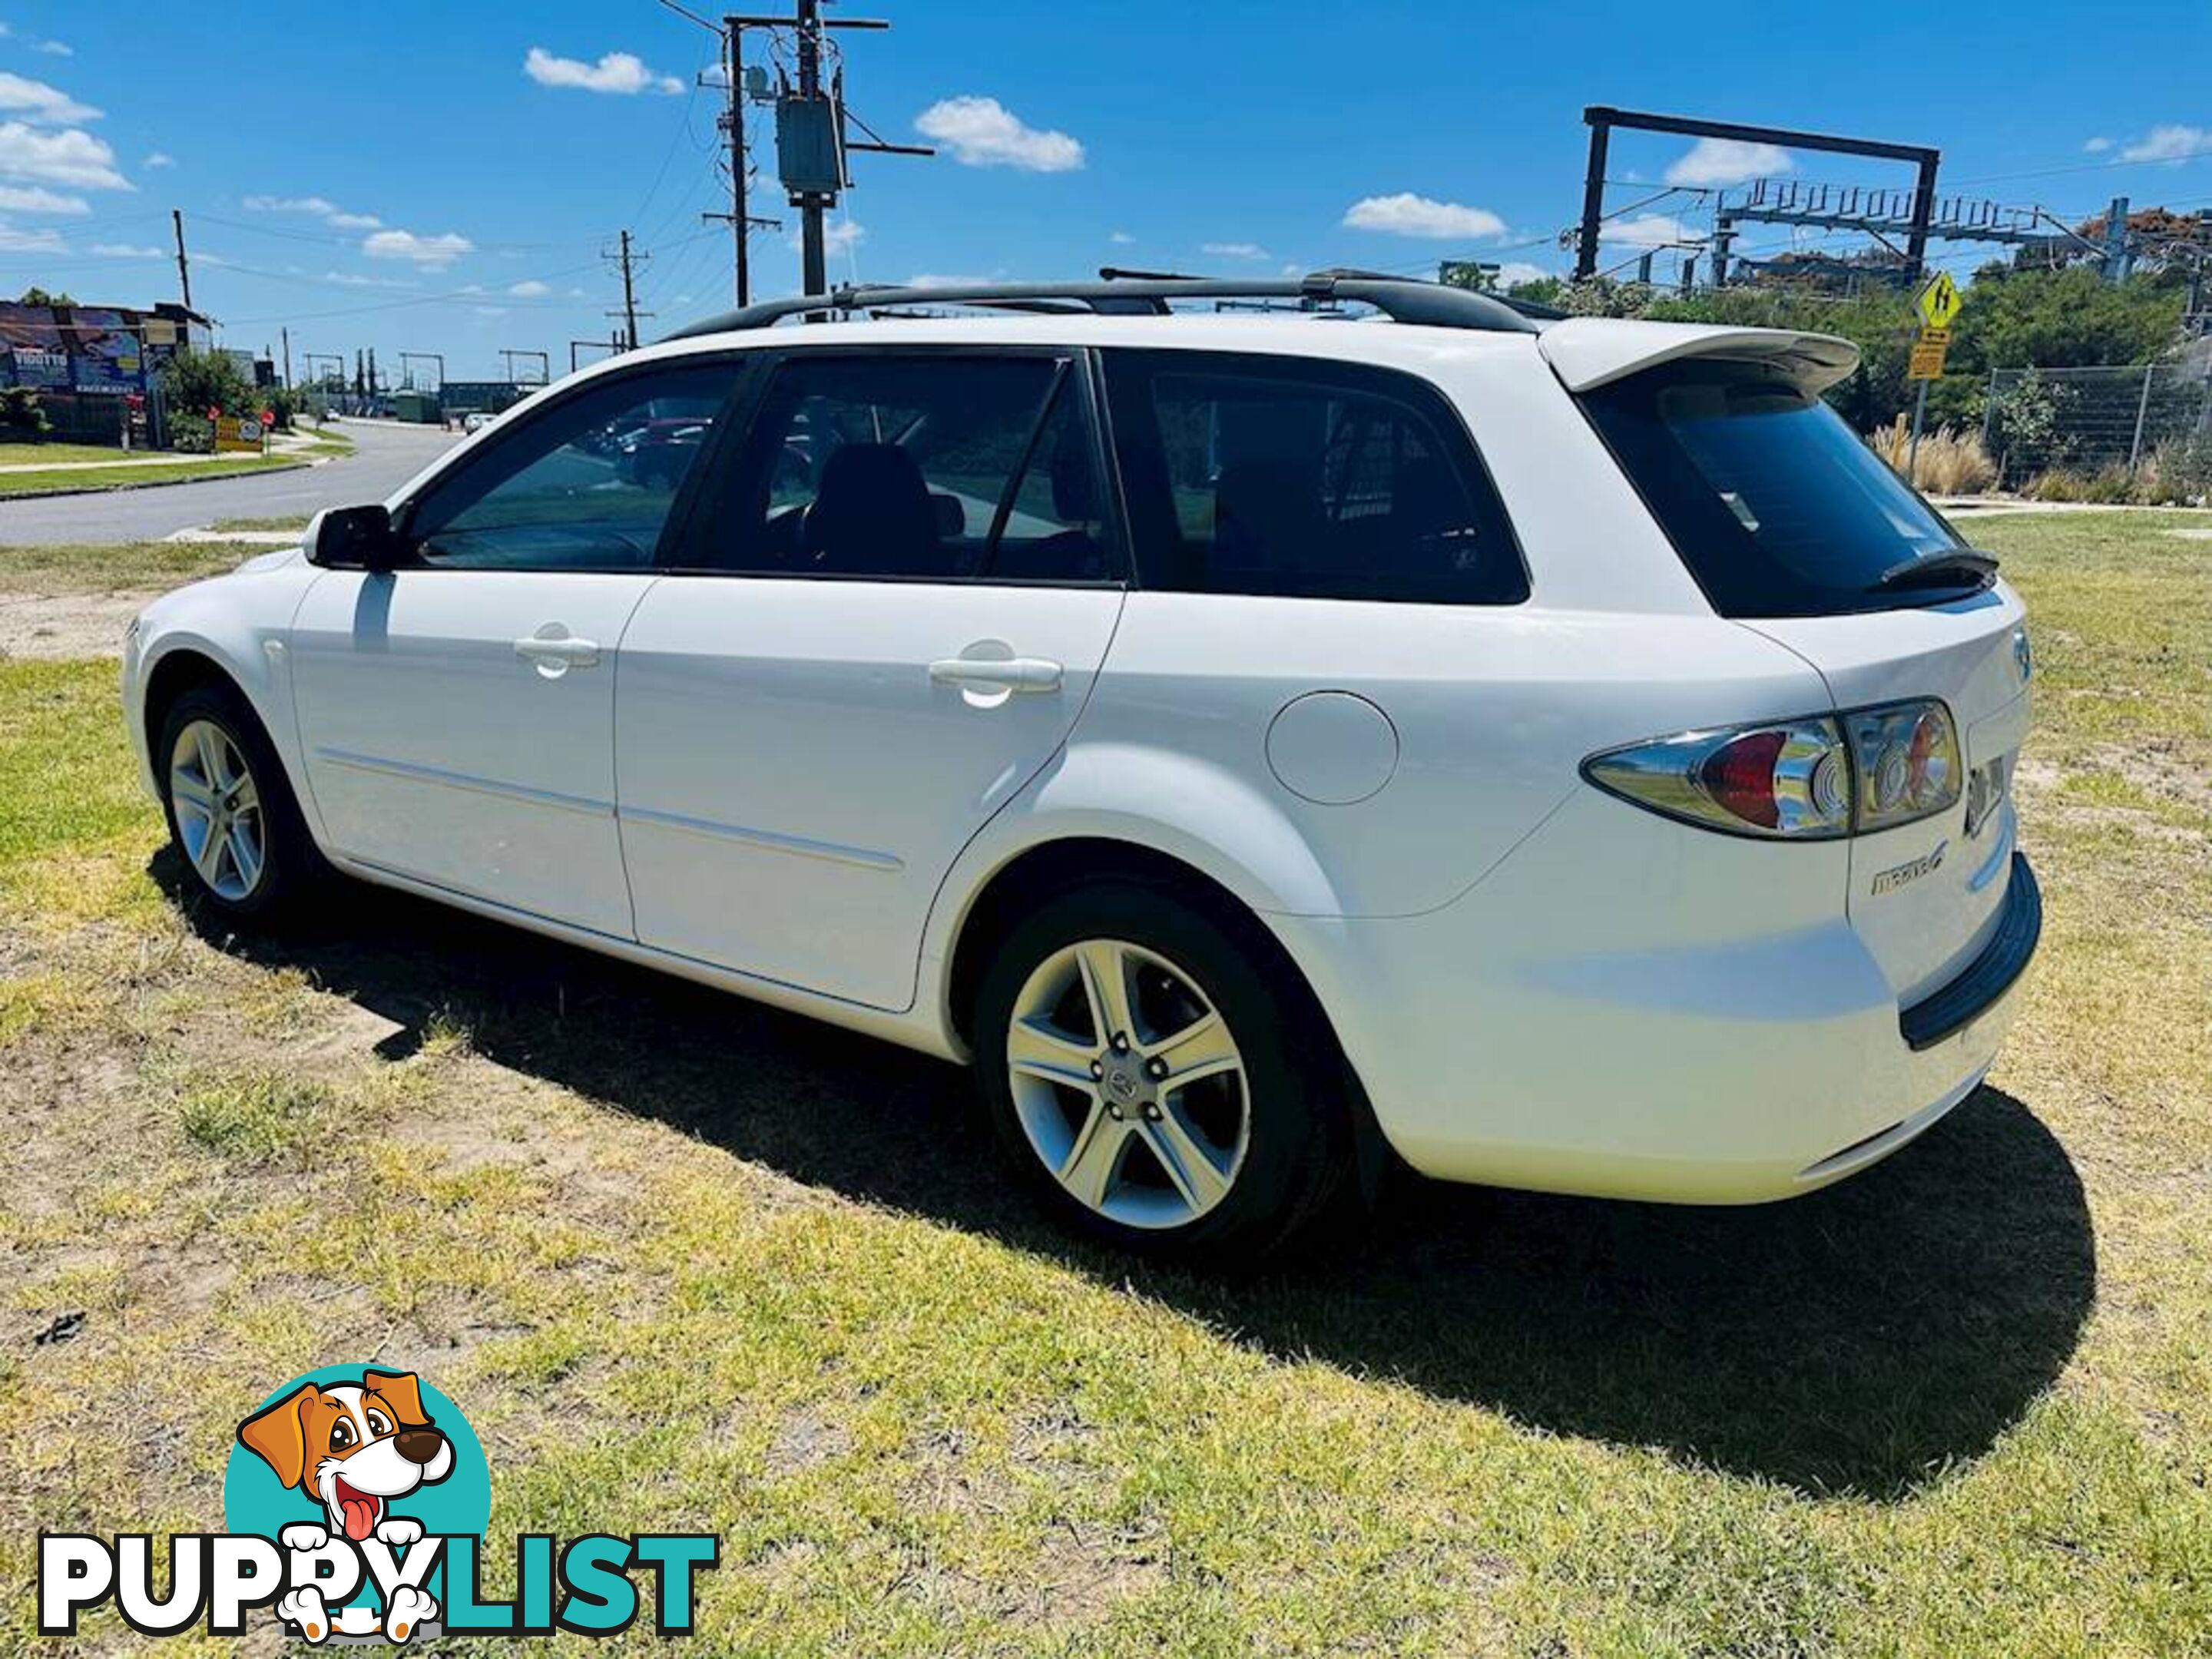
[19,454]
[328,440]
[67,778]
[117,566]
[257,1117]
[289,521]
[135,478]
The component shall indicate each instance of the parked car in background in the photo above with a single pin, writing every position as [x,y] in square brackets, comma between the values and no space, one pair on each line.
[1556,752]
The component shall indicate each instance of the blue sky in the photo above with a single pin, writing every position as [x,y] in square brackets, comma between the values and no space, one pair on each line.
[444,176]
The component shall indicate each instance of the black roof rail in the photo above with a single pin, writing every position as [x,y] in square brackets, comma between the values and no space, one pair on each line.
[1401,299]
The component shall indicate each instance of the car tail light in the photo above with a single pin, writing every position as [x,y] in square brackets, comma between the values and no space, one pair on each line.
[1906,757]
[1799,779]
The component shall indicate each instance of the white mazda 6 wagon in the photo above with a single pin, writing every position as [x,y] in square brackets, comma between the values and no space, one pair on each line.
[1555,751]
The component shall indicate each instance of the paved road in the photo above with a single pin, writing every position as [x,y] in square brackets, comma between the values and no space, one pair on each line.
[388,455]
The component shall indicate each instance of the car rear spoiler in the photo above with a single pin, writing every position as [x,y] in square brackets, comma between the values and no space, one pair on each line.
[1589,352]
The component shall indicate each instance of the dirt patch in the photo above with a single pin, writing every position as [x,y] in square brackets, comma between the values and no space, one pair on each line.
[77,625]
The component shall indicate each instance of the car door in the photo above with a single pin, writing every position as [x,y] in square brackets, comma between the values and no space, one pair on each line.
[456,713]
[882,628]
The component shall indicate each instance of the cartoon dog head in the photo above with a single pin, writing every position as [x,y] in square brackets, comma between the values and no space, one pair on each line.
[355,1447]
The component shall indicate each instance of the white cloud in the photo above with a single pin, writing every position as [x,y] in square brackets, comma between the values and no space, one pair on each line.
[55,48]
[1120,239]
[320,206]
[44,239]
[489,311]
[159,158]
[429,253]
[620,72]
[34,198]
[1712,162]
[1647,230]
[35,101]
[1234,250]
[841,238]
[2169,141]
[2099,146]
[314,204]
[531,289]
[70,157]
[128,251]
[352,279]
[1408,214]
[981,132]
[1514,272]
[943,279]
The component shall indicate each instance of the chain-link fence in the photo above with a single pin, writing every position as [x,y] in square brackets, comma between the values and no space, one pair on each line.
[2036,420]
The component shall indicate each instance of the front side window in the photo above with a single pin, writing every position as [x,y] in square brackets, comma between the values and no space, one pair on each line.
[927,466]
[1771,499]
[586,485]
[1320,480]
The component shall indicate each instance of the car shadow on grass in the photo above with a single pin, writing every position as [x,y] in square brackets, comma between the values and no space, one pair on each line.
[1858,1341]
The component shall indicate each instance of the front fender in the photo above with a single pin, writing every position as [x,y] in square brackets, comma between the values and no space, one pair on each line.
[240,624]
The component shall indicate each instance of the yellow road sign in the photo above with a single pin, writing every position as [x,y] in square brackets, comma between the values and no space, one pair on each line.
[1926,362]
[1940,301]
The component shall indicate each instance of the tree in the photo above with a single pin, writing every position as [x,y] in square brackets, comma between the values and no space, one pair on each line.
[35,295]
[2064,318]
[194,382]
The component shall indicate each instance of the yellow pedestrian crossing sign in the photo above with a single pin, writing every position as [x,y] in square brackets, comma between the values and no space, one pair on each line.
[1940,301]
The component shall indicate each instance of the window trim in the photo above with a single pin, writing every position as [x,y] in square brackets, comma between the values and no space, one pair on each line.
[505,436]
[1076,367]
[1427,398]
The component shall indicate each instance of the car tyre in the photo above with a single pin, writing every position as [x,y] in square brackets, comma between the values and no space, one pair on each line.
[232,816]
[1215,1127]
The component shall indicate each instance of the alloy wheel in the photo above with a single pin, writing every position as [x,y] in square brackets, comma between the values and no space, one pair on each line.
[1128,1083]
[220,822]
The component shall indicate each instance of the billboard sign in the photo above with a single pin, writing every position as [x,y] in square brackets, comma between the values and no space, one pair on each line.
[37,348]
[107,357]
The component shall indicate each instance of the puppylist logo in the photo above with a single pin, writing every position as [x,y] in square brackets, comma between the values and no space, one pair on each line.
[354,1508]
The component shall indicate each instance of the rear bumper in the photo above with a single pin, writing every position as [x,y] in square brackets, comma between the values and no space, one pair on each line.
[1959,1002]
[1584,1022]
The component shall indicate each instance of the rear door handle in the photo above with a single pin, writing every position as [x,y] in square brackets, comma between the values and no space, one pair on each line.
[555,651]
[1000,674]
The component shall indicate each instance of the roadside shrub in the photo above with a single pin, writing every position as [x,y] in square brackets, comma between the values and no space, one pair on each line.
[193,434]
[1950,462]
[21,416]
[2179,472]
[2113,485]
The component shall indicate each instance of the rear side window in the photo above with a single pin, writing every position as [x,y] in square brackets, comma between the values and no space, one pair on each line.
[933,466]
[1300,478]
[1774,504]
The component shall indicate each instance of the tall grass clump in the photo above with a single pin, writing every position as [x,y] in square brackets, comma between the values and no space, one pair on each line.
[1950,462]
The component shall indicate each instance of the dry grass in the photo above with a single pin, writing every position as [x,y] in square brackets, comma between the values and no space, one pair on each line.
[1951,462]
[688,1264]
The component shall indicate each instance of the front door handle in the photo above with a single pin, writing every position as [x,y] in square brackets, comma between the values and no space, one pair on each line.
[553,651]
[997,674]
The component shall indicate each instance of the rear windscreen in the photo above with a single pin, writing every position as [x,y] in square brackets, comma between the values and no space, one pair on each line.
[1772,501]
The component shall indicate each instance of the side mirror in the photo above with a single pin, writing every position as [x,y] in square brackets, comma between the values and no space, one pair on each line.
[353,538]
